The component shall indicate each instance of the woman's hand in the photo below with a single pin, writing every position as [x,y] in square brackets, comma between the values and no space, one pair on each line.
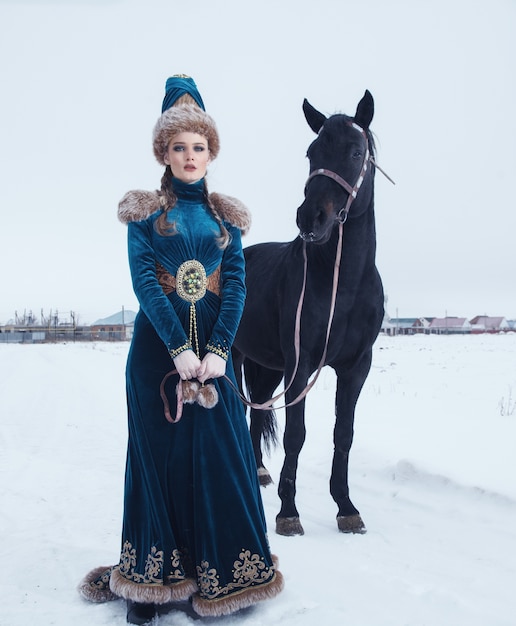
[212,366]
[187,364]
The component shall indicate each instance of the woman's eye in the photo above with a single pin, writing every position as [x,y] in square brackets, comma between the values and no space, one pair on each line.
[178,148]
[199,148]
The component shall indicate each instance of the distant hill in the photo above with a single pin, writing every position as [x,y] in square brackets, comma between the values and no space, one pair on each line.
[122,317]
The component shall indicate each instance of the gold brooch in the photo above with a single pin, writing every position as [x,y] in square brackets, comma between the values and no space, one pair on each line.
[191,281]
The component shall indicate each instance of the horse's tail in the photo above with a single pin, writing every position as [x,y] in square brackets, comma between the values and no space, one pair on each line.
[263,421]
[269,430]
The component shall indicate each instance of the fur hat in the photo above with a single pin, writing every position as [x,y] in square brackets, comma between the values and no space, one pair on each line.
[184,118]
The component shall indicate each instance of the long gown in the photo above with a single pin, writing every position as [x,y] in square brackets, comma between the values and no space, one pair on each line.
[193,520]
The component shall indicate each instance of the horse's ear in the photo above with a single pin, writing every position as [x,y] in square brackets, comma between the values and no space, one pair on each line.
[313,117]
[365,110]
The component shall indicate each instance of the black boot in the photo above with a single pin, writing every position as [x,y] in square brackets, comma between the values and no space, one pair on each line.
[141,614]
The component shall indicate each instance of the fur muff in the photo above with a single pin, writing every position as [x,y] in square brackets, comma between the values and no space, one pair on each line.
[138,205]
[207,396]
[192,391]
[189,390]
[184,118]
[151,594]
[94,587]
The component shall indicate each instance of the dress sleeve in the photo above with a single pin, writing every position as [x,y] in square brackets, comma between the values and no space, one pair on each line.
[152,299]
[233,292]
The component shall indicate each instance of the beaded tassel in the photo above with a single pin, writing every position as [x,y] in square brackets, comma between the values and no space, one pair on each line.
[194,339]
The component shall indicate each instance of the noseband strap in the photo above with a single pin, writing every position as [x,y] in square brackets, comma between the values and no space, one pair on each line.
[338,179]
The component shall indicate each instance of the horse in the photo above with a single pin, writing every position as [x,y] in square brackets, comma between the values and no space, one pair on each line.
[336,321]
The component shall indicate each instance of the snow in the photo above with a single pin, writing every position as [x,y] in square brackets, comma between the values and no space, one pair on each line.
[432,471]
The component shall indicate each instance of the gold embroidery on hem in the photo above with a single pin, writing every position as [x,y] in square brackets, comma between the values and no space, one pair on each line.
[102,582]
[250,570]
[153,573]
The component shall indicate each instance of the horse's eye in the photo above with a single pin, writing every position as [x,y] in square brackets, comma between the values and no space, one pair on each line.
[357,154]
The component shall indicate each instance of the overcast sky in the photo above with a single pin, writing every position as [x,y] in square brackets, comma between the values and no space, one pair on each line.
[82,84]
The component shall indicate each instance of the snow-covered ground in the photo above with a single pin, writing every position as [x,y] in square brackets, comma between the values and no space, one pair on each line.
[433,472]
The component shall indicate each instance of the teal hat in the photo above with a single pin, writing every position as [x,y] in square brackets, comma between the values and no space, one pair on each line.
[177,86]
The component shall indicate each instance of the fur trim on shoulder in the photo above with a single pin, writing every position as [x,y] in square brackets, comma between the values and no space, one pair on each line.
[138,205]
[232,210]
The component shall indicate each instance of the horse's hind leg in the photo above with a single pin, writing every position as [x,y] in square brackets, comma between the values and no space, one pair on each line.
[349,385]
[261,383]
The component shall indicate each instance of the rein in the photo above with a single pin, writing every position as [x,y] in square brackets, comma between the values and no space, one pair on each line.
[297,343]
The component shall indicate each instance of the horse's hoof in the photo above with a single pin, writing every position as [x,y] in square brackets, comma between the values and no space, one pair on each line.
[289,526]
[351,524]
[264,477]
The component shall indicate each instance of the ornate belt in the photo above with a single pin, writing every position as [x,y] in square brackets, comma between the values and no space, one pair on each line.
[186,282]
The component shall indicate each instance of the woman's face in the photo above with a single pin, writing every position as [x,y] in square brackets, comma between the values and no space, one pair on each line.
[188,156]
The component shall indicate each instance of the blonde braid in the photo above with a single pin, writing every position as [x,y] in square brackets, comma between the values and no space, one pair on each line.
[225,238]
[167,199]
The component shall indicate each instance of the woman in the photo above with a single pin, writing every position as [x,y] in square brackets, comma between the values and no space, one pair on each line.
[193,523]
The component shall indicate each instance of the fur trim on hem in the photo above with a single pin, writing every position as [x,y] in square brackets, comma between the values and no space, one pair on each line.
[138,205]
[94,587]
[151,594]
[239,600]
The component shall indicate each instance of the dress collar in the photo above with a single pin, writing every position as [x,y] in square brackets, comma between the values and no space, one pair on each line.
[190,192]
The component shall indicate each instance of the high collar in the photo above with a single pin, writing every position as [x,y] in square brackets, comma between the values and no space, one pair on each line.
[189,192]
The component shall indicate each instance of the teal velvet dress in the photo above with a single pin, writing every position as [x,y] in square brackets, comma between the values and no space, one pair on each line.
[193,520]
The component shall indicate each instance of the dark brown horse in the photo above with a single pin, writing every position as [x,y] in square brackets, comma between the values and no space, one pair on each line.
[339,202]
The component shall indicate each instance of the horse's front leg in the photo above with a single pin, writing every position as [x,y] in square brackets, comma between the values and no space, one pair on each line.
[349,385]
[287,520]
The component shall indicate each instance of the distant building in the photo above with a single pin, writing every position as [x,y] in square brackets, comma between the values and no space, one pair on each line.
[486,324]
[116,327]
[121,318]
[449,325]
[27,329]
[407,325]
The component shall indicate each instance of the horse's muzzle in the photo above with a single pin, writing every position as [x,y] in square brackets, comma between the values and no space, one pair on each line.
[308,237]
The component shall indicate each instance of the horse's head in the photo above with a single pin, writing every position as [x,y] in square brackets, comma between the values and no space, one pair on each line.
[341,177]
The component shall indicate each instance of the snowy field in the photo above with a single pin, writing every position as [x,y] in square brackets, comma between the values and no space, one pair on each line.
[433,472]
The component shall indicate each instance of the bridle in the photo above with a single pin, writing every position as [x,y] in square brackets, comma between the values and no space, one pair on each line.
[342,215]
